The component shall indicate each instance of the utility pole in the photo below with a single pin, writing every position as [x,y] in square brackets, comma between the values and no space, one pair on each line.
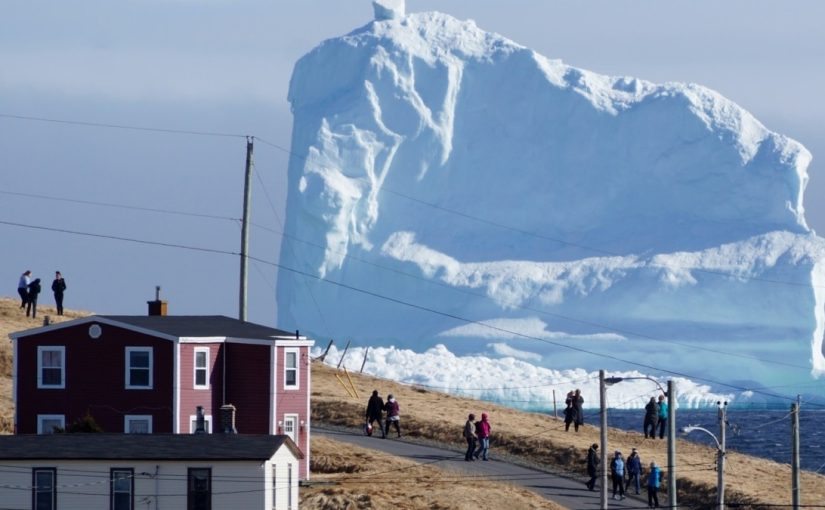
[795,461]
[247,196]
[720,465]
[671,445]
[603,440]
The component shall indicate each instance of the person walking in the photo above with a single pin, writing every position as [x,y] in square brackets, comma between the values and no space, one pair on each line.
[617,474]
[633,466]
[470,436]
[651,418]
[578,411]
[568,410]
[483,430]
[654,479]
[662,416]
[31,303]
[23,288]
[58,287]
[393,415]
[593,461]
[375,406]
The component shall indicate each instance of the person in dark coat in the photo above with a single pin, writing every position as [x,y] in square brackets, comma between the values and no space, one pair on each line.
[593,461]
[23,288]
[58,287]
[393,415]
[651,418]
[470,436]
[633,466]
[375,407]
[568,411]
[578,411]
[31,304]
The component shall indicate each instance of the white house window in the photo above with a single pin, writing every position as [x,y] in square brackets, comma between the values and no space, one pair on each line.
[291,369]
[46,423]
[122,489]
[137,424]
[274,488]
[44,488]
[289,486]
[51,366]
[139,368]
[202,368]
[199,493]
[207,423]
[290,425]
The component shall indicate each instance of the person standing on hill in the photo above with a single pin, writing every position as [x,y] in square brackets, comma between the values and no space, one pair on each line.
[662,416]
[58,287]
[31,304]
[568,410]
[654,479]
[393,415]
[578,410]
[617,474]
[633,466]
[470,436]
[593,461]
[651,418]
[375,407]
[483,430]
[23,288]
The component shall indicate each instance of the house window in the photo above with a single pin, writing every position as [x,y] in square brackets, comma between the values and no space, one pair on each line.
[139,368]
[51,366]
[291,369]
[137,424]
[289,486]
[290,424]
[44,490]
[274,488]
[202,368]
[122,488]
[199,494]
[207,423]
[46,423]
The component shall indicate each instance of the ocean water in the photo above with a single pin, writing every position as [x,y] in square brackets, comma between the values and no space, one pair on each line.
[762,433]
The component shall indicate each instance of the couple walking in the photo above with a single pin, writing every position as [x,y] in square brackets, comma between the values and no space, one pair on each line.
[375,408]
[477,433]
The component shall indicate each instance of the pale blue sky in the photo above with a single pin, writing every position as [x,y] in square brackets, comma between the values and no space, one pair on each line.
[225,66]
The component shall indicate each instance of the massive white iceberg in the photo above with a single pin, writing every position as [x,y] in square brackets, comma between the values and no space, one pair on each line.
[449,186]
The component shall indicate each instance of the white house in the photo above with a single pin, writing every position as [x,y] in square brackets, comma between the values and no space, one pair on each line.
[149,471]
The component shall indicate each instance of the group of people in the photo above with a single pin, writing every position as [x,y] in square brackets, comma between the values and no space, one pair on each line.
[623,473]
[477,434]
[29,289]
[656,417]
[573,412]
[376,407]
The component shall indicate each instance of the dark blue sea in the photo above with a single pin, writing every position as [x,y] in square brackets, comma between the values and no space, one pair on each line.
[762,433]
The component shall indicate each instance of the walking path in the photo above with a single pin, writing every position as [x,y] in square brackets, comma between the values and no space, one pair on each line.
[568,492]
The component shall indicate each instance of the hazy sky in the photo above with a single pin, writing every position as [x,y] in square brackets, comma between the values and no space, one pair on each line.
[222,66]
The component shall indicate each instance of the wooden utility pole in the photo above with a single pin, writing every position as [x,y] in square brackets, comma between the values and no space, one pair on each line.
[720,463]
[795,460]
[247,196]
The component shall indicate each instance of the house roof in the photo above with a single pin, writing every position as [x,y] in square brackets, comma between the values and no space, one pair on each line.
[197,447]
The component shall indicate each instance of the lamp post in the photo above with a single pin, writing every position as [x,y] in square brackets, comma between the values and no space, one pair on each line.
[720,452]
[670,392]
[603,440]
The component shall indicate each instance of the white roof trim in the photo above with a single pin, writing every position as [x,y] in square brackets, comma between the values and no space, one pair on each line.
[86,320]
[294,343]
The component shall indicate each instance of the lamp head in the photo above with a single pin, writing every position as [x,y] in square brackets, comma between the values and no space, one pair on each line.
[610,381]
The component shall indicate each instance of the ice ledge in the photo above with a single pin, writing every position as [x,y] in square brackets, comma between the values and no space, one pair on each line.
[388,9]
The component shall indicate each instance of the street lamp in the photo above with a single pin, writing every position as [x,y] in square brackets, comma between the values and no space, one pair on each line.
[670,392]
[720,452]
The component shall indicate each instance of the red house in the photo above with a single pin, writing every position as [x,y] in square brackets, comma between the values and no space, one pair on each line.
[149,374]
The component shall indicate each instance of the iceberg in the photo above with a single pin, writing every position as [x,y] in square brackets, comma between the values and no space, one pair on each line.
[448,186]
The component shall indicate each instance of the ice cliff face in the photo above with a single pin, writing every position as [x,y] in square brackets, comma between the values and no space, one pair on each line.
[451,168]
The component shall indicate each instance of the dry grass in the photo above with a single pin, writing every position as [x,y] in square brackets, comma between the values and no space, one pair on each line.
[541,440]
[367,479]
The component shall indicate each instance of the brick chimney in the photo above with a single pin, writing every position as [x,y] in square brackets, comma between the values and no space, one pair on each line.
[228,419]
[157,307]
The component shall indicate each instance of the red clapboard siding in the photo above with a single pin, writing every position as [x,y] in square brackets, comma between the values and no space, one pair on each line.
[247,386]
[190,397]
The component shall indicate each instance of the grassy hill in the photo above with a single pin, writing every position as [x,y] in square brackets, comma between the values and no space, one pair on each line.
[530,438]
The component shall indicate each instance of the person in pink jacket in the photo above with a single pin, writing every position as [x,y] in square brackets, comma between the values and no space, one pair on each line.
[483,430]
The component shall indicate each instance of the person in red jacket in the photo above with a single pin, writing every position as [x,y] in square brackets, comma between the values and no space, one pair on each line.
[483,430]
[393,415]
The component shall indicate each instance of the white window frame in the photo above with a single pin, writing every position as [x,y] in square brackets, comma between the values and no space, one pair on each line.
[289,501]
[136,417]
[297,368]
[291,418]
[129,351]
[43,417]
[52,495]
[50,348]
[195,369]
[207,423]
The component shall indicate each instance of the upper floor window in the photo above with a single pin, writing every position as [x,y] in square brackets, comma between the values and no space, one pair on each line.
[199,493]
[139,368]
[291,369]
[44,488]
[207,423]
[51,366]
[202,368]
[47,423]
[122,490]
[137,424]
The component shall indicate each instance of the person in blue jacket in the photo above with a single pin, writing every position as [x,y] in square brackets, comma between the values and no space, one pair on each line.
[662,416]
[633,466]
[654,479]
[617,472]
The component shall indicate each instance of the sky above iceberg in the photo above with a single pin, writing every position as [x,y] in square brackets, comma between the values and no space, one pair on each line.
[224,67]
